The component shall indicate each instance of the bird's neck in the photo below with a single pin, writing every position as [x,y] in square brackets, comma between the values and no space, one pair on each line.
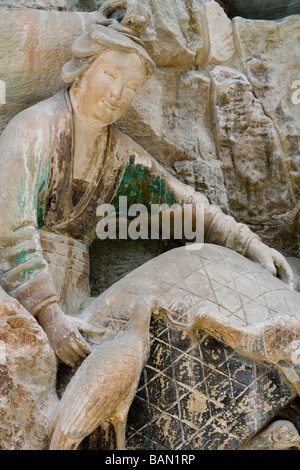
[140,323]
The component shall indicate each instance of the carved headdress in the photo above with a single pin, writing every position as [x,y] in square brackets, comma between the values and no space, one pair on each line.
[120,23]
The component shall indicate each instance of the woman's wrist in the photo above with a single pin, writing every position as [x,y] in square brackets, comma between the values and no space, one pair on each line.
[49,314]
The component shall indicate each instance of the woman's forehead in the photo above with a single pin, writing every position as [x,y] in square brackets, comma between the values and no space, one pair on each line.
[128,63]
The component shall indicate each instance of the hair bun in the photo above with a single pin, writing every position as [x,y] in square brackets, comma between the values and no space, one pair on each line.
[129,14]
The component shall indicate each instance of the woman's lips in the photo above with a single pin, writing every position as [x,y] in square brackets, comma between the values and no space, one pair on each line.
[113,107]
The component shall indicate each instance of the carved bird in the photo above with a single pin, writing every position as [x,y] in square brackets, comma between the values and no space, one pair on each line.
[105,385]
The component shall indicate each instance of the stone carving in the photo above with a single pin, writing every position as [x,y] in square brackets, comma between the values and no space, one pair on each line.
[111,376]
[276,341]
[280,435]
[67,142]
[68,157]
[33,57]
[295,265]
[69,263]
[204,386]
[129,13]
[176,39]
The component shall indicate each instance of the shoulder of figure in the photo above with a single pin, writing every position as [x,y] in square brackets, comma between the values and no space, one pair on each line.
[31,119]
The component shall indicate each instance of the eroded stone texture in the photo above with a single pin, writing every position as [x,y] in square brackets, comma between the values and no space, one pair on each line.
[88,5]
[36,45]
[175,37]
[295,265]
[254,164]
[174,146]
[222,47]
[27,379]
[174,125]
[271,57]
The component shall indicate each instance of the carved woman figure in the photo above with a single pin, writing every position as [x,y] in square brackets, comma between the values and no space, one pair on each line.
[62,157]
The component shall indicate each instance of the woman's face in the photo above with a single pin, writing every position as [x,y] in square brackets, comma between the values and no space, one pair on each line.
[106,90]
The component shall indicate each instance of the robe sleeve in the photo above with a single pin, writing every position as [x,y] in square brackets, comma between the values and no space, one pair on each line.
[219,228]
[23,271]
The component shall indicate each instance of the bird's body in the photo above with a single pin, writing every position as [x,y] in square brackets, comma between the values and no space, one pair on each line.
[104,387]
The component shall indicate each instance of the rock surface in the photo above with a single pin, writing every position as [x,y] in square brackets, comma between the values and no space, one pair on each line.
[27,379]
[36,46]
[272,63]
[221,41]
[255,168]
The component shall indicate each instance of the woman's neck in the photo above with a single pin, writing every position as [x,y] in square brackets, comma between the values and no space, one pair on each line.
[89,145]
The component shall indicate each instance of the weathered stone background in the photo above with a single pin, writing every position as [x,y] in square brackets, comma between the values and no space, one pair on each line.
[218,113]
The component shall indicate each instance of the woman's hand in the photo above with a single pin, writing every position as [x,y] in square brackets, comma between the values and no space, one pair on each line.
[64,336]
[271,259]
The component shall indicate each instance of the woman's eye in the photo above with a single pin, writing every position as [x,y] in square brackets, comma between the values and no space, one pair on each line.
[132,87]
[110,74]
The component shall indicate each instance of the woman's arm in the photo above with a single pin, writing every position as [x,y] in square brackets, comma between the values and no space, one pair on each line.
[219,228]
[24,165]
[24,272]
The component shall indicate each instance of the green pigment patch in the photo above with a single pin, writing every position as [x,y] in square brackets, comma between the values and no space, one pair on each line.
[141,186]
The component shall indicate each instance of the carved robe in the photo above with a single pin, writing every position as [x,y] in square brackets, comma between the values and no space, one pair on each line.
[36,155]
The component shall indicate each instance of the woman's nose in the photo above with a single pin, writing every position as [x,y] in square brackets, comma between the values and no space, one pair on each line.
[116,91]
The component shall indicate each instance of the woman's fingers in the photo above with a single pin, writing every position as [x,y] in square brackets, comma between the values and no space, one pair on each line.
[73,350]
[78,345]
[270,265]
[87,328]
[67,356]
[284,271]
[271,259]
